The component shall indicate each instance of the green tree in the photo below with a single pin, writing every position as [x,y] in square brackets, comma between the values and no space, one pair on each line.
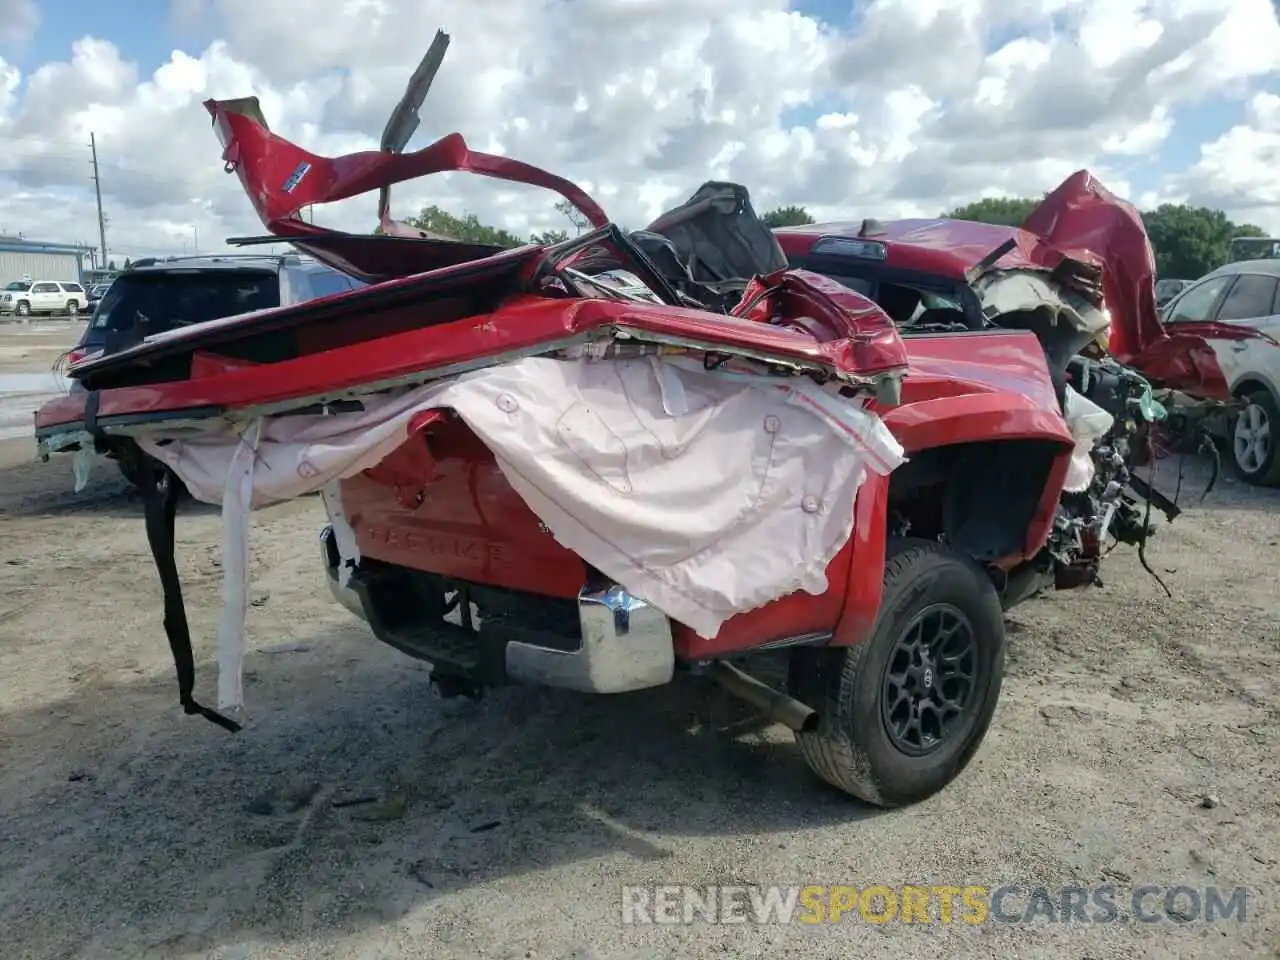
[1191,241]
[548,237]
[111,265]
[1003,211]
[575,217]
[467,227]
[790,216]
[127,263]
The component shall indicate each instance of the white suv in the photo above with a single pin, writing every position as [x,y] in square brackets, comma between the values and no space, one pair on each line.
[1242,294]
[25,297]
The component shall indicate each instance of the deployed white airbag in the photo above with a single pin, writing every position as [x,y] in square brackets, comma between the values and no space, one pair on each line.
[1088,424]
[705,493]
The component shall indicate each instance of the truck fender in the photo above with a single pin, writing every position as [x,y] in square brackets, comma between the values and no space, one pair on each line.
[949,422]
[865,585]
[973,418]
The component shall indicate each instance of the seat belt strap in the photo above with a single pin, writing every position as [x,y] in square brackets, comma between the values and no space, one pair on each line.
[161,509]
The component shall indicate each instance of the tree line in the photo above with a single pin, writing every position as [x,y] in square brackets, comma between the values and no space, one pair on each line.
[1188,241]
[468,227]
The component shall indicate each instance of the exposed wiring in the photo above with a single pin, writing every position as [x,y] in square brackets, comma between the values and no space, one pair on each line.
[714,361]
[1215,456]
[1146,524]
[61,367]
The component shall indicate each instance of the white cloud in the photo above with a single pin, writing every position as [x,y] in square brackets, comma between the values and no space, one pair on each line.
[1145,138]
[18,20]
[1237,170]
[914,106]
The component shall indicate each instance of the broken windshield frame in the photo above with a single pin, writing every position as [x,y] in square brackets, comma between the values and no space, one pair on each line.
[866,277]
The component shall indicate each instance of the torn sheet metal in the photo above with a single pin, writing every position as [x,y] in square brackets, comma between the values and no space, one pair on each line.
[1022,290]
[1084,220]
[707,494]
[281,179]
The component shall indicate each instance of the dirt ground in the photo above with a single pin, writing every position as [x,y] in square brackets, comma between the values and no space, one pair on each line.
[32,347]
[1135,745]
[29,353]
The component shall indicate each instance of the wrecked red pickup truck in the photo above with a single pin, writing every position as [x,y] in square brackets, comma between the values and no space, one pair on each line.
[594,464]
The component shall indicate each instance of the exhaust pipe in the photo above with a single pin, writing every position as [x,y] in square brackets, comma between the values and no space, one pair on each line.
[774,704]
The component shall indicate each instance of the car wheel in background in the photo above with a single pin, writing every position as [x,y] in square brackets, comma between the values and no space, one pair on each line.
[1253,440]
[73,308]
[23,309]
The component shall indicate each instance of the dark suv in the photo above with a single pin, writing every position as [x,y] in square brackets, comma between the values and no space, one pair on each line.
[155,295]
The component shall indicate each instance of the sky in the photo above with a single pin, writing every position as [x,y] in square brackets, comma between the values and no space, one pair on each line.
[876,108]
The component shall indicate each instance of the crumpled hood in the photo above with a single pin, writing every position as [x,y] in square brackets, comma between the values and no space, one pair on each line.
[1084,220]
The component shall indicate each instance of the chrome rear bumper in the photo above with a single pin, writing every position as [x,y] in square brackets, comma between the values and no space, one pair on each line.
[626,644]
[330,557]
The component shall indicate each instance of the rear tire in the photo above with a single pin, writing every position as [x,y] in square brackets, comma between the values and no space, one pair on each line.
[1253,439]
[863,743]
[73,308]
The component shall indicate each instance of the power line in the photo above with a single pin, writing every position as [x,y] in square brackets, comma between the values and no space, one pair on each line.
[97,189]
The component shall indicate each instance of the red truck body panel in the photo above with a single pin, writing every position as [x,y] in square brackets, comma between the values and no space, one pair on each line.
[1084,221]
[471,525]
[522,325]
[441,504]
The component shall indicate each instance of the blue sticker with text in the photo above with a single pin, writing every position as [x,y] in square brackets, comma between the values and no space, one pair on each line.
[295,178]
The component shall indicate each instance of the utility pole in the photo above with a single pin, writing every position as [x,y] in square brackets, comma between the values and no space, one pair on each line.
[97,189]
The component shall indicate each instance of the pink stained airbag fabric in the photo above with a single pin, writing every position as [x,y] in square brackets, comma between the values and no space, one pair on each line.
[705,493]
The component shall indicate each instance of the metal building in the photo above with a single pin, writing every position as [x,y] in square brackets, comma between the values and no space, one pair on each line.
[36,260]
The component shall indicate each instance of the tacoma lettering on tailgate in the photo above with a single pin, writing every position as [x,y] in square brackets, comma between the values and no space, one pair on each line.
[440,545]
